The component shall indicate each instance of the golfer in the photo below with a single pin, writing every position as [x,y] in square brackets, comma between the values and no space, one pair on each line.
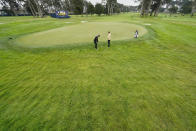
[136,34]
[109,38]
[96,40]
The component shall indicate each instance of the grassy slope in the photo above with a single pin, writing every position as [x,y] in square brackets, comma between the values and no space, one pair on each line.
[139,85]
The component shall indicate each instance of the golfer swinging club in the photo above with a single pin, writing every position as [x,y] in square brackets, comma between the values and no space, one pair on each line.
[96,40]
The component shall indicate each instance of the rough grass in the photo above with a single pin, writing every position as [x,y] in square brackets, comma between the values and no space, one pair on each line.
[144,84]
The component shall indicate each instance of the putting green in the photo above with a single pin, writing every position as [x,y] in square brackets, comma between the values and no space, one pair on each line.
[80,33]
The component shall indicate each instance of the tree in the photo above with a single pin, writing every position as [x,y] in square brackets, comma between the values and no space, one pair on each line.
[193,7]
[146,4]
[13,4]
[186,7]
[90,8]
[78,6]
[99,9]
[31,5]
[36,7]
[173,9]
[155,7]
[39,9]
[110,6]
[167,3]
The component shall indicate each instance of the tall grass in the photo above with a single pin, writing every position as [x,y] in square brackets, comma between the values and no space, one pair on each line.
[144,84]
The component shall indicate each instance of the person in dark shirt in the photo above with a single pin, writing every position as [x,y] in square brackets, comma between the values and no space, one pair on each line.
[96,40]
[136,34]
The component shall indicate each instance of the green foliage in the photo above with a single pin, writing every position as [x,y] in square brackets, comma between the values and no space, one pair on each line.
[186,7]
[173,9]
[90,8]
[111,1]
[99,9]
[146,4]
[78,6]
[7,11]
[161,10]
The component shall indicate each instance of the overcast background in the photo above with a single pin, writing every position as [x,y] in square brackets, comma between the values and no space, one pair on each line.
[125,2]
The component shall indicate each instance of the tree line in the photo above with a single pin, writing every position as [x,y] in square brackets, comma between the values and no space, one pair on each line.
[153,7]
[39,8]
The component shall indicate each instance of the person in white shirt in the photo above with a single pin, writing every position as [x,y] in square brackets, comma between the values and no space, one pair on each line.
[109,38]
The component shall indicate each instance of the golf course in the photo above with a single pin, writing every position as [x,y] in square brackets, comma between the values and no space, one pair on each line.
[80,33]
[52,77]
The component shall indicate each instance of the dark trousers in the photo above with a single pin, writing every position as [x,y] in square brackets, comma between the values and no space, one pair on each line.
[95,45]
[108,43]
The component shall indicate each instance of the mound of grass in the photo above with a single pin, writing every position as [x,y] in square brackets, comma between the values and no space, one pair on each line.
[81,33]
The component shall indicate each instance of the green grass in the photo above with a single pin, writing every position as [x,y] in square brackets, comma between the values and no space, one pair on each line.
[143,84]
[80,33]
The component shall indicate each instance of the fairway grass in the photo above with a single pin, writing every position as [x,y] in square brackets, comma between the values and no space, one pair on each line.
[144,84]
[81,33]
